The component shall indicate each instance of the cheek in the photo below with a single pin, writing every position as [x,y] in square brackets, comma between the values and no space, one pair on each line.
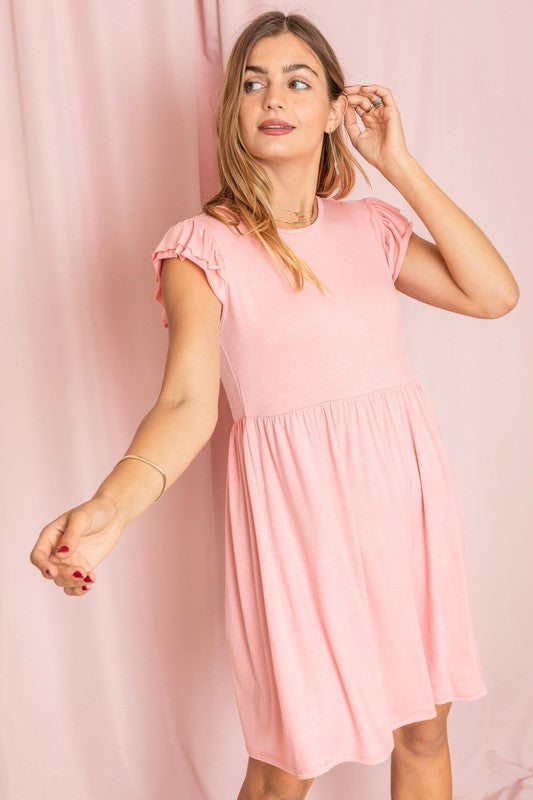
[244,121]
[314,119]
[307,111]
[244,113]
[247,116]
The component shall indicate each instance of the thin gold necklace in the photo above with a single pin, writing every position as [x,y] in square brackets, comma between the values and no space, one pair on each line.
[301,214]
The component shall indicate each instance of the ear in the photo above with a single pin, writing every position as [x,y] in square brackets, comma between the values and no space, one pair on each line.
[338,110]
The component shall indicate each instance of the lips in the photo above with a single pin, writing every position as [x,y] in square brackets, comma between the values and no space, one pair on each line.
[268,122]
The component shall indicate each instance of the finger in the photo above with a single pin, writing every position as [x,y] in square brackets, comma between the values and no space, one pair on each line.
[364,106]
[361,109]
[71,576]
[374,90]
[365,90]
[360,102]
[61,574]
[351,124]
[78,523]
[40,555]
[351,121]
[42,562]
[77,591]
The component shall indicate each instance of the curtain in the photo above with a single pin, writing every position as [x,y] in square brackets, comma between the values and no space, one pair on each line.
[107,140]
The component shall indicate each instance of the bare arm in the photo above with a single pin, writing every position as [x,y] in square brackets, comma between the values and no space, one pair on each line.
[462,271]
[169,435]
[185,414]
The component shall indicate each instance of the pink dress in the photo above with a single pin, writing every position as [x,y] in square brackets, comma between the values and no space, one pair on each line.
[346,564]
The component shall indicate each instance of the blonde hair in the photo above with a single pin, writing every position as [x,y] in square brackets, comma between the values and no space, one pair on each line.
[246,191]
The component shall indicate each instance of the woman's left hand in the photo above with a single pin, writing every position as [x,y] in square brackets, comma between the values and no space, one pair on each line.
[382,142]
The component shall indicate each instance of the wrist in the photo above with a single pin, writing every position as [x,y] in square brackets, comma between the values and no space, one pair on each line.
[399,166]
[110,500]
[130,488]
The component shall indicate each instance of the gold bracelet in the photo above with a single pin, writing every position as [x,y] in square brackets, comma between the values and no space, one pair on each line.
[141,458]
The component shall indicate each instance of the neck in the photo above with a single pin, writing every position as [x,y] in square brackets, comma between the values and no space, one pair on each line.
[295,216]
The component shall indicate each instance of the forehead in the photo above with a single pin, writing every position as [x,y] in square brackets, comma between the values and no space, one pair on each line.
[273,52]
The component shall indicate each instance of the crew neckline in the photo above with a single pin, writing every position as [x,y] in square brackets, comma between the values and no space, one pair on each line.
[304,228]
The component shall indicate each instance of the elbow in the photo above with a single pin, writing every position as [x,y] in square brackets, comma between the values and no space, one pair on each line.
[501,310]
[505,297]
[513,296]
[201,414]
[504,305]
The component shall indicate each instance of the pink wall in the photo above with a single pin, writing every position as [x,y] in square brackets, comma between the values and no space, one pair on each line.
[106,142]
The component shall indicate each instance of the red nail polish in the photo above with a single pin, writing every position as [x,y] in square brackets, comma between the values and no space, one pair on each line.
[47,571]
[87,579]
[77,574]
[63,549]
[84,588]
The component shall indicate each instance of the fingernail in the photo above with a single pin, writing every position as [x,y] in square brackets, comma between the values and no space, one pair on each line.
[84,588]
[88,579]
[77,574]
[63,549]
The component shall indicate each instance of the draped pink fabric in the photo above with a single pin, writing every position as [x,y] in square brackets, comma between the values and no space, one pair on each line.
[107,140]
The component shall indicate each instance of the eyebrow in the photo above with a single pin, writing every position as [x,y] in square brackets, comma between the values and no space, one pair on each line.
[286,68]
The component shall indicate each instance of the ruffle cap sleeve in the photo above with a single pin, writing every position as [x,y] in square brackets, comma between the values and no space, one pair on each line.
[191,238]
[395,230]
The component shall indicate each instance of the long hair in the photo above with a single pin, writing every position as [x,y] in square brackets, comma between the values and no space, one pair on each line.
[246,190]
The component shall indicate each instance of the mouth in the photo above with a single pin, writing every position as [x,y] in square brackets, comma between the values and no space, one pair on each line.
[275,125]
[275,130]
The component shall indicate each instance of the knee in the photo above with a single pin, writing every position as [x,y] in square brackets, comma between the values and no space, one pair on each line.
[273,783]
[286,788]
[272,794]
[426,737]
[422,743]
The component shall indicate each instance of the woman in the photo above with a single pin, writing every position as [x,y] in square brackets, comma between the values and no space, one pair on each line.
[347,609]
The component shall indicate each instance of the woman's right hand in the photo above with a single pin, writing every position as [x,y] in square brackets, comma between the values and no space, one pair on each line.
[88,532]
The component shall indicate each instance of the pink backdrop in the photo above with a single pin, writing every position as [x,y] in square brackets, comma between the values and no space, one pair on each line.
[107,140]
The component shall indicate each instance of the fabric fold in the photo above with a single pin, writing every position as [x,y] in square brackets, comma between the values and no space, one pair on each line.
[355,622]
[192,239]
[395,231]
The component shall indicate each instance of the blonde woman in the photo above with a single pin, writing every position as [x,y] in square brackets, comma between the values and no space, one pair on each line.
[347,609]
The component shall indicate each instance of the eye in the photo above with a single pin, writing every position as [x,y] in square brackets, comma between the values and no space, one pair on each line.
[248,83]
[294,80]
[298,80]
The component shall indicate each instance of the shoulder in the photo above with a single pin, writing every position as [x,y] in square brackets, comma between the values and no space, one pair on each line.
[191,238]
[385,213]
[347,214]
[194,234]
[373,211]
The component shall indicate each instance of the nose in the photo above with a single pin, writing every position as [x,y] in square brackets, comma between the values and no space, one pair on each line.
[273,97]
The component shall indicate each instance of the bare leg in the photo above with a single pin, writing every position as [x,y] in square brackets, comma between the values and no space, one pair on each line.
[266,782]
[420,765]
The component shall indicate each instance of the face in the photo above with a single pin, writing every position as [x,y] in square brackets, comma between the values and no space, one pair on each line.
[298,97]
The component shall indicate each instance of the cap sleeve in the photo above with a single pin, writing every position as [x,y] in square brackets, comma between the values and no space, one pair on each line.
[191,238]
[395,231]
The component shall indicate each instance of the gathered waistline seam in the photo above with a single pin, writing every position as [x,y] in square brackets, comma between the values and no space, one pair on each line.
[325,402]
